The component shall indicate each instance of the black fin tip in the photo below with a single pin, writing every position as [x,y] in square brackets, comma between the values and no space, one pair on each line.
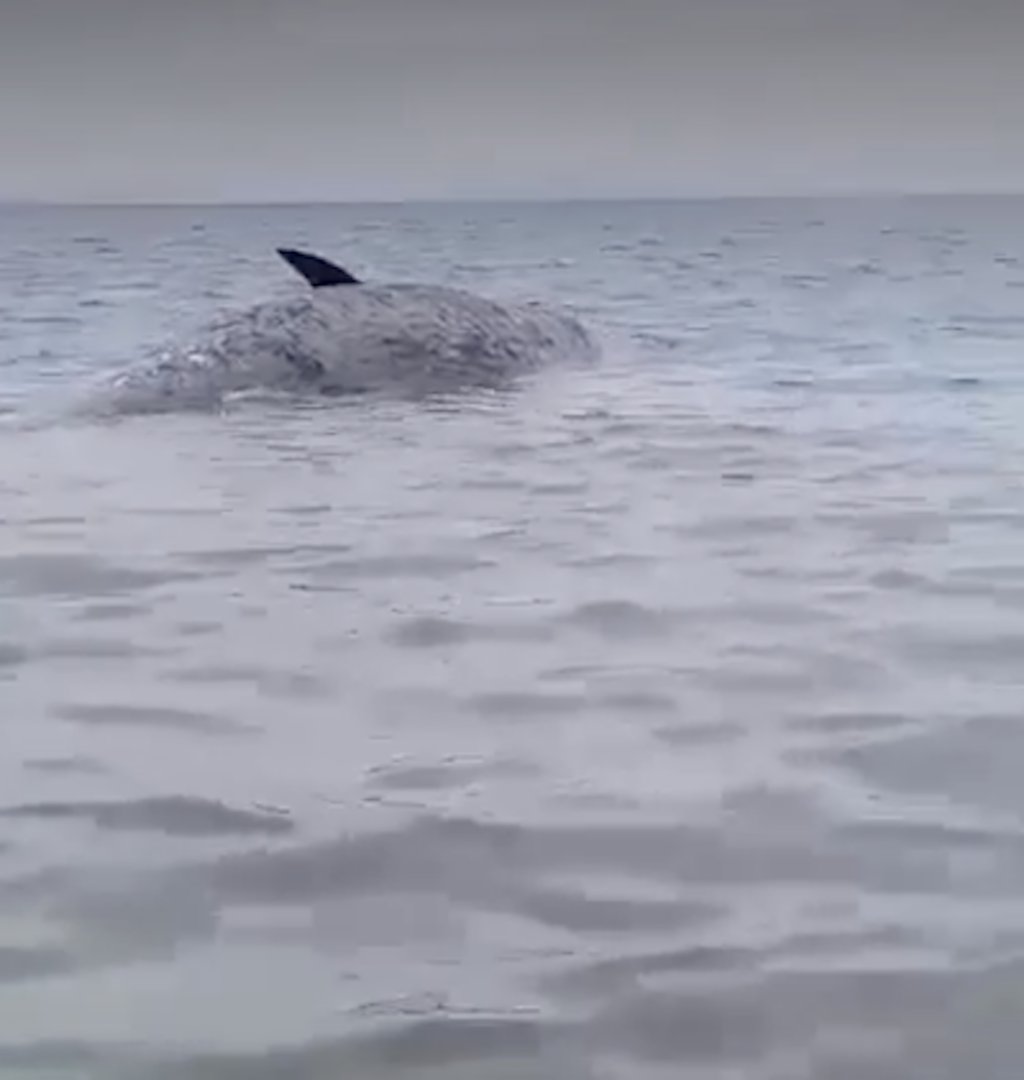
[318,272]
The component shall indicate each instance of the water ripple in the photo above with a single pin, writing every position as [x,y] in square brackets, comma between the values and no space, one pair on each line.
[659,720]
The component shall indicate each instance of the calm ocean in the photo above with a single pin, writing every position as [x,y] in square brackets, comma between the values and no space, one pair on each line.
[662,720]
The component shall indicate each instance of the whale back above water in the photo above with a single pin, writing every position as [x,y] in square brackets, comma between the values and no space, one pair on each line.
[345,336]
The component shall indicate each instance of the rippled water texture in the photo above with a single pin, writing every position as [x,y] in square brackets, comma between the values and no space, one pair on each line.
[659,720]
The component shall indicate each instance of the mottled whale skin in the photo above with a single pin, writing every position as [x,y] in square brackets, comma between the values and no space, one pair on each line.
[344,336]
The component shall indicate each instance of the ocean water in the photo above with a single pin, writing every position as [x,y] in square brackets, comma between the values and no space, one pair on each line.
[661,719]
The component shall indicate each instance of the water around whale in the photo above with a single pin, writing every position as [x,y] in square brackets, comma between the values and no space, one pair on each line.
[658,720]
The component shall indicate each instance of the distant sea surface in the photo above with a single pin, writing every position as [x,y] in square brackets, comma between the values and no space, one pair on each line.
[660,720]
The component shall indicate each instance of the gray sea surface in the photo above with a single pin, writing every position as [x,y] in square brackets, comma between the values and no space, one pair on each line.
[662,719]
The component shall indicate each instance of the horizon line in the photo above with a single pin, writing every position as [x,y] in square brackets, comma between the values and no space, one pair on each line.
[506,200]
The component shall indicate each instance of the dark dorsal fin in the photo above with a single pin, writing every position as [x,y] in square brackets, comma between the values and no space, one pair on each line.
[318,272]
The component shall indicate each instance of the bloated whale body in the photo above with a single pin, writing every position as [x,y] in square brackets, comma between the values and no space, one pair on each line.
[344,336]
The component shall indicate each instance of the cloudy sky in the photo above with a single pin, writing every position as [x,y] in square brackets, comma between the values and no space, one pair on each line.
[167,100]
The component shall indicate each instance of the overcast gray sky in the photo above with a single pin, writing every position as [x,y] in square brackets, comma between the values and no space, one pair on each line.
[337,99]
